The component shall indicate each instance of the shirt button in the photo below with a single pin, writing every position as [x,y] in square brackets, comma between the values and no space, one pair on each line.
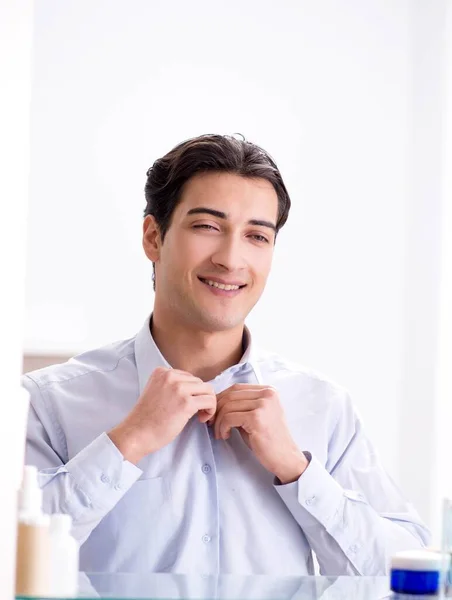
[206,539]
[104,478]
[310,500]
[206,469]
[353,549]
[118,486]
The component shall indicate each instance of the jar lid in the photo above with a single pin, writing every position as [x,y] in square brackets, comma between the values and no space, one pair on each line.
[417,560]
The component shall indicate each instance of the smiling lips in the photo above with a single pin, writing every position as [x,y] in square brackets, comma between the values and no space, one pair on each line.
[224,287]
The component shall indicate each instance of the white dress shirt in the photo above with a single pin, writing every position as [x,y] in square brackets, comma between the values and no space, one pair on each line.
[207,506]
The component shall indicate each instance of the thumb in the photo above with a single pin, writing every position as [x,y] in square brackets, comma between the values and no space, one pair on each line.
[206,414]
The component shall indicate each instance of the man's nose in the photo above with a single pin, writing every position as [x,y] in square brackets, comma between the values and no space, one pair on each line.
[230,254]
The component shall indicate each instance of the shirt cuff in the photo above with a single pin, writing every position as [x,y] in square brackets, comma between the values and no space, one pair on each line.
[314,498]
[102,473]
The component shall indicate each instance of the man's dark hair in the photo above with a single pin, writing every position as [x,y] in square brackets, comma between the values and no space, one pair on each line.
[206,153]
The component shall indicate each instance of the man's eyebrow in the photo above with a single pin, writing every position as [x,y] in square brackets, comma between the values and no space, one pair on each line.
[260,223]
[209,211]
[222,215]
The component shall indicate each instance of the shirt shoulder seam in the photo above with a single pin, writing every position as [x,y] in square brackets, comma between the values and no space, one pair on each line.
[42,384]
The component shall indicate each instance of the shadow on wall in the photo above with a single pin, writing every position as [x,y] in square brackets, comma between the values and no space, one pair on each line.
[31,362]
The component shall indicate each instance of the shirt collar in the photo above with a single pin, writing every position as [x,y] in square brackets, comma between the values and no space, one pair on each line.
[148,357]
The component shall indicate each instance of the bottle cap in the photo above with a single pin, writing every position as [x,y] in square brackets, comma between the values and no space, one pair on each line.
[60,523]
[30,494]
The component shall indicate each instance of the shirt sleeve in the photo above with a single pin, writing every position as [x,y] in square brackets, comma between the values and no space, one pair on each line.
[353,515]
[88,485]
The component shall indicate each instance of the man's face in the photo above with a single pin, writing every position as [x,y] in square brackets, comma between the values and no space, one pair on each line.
[216,256]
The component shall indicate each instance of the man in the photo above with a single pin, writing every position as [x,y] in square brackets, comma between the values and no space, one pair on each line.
[185,449]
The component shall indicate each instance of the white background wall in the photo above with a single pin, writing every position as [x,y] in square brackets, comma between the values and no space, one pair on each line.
[16,23]
[336,92]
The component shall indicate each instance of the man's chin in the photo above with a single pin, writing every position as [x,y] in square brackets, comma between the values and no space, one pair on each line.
[214,322]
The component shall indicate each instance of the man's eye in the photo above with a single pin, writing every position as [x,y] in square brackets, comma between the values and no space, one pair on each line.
[260,238]
[205,226]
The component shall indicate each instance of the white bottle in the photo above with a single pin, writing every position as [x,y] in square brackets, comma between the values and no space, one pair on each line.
[64,557]
[33,551]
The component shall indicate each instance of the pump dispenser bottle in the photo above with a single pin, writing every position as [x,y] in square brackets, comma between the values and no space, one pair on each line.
[64,557]
[33,550]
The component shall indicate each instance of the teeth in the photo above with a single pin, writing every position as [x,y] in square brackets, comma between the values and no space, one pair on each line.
[221,286]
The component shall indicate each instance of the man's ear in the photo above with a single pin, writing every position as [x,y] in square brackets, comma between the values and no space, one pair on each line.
[151,238]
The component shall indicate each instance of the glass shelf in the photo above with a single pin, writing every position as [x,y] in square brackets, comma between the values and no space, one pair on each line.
[167,586]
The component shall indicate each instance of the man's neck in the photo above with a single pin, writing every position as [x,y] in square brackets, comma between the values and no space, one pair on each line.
[203,354]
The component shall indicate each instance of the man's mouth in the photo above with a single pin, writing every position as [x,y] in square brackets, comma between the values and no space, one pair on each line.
[228,287]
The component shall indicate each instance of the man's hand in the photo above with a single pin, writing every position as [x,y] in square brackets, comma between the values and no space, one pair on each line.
[169,400]
[255,410]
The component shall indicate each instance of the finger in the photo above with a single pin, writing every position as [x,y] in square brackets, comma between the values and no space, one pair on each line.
[234,395]
[242,386]
[237,419]
[234,406]
[198,388]
[174,374]
[204,416]
[167,370]
[205,406]
[243,394]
